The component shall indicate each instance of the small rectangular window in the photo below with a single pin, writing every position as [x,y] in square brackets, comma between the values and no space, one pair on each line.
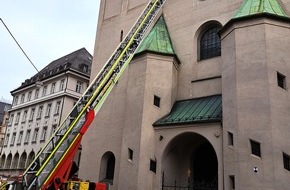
[52,90]
[17,118]
[27,136]
[130,154]
[43,135]
[61,86]
[6,140]
[39,112]
[156,101]
[153,165]
[20,138]
[281,79]
[29,96]
[15,102]
[13,139]
[79,86]
[22,98]
[230,139]
[57,107]
[32,112]
[256,148]
[35,135]
[44,90]
[232,182]
[36,93]
[286,161]
[24,116]
[48,110]
[11,119]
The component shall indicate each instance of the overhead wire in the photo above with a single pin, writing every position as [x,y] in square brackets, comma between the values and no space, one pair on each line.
[19,45]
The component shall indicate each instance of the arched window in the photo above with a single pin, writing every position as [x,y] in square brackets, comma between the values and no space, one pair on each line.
[15,161]
[107,168]
[210,43]
[23,159]
[30,158]
[2,161]
[8,161]
[110,168]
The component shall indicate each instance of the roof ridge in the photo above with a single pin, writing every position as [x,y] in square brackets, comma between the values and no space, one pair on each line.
[254,7]
[158,40]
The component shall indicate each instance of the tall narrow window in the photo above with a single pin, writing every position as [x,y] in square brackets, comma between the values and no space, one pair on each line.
[121,35]
[286,161]
[107,169]
[156,101]
[232,182]
[22,98]
[43,134]
[19,140]
[153,165]
[8,161]
[44,90]
[53,129]
[230,139]
[15,102]
[130,154]
[35,135]
[13,139]
[48,109]
[39,112]
[110,168]
[57,107]
[17,118]
[52,90]
[27,136]
[210,43]
[281,80]
[24,116]
[6,140]
[11,119]
[36,93]
[29,96]
[22,160]
[32,112]
[61,86]
[79,86]
[256,148]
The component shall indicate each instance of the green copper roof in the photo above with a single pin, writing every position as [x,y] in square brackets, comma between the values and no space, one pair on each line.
[158,40]
[253,7]
[206,109]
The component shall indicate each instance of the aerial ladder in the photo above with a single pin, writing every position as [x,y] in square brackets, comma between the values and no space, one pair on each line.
[52,166]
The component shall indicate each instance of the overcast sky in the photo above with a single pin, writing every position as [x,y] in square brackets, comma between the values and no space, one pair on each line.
[46,30]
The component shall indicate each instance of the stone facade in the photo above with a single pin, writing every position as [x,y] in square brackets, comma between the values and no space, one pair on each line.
[248,149]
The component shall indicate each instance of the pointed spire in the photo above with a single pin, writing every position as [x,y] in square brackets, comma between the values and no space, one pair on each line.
[254,7]
[158,40]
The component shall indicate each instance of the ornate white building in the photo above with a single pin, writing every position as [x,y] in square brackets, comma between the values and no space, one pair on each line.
[39,105]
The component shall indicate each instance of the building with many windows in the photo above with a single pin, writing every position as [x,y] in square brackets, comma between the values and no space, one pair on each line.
[204,103]
[4,114]
[39,105]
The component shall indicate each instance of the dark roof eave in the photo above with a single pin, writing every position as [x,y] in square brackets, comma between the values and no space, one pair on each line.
[253,16]
[49,76]
[158,53]
[156,125]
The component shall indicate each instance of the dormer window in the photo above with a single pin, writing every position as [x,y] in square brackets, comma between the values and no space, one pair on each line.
[84,68]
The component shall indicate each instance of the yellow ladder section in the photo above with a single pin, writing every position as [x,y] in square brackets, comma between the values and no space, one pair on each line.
[42,167]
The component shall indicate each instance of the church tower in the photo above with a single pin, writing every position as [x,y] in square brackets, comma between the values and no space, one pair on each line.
[202,105]
[255,44]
